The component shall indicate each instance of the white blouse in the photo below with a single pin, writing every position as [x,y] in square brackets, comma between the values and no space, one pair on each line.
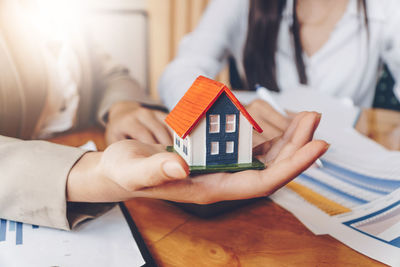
[346,66]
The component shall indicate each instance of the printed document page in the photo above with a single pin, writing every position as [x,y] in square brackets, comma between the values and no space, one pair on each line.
[104,241]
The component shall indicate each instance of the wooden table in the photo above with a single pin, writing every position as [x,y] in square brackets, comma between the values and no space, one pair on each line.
[260,234]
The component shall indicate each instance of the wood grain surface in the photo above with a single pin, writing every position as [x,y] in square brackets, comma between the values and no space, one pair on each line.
[259,234]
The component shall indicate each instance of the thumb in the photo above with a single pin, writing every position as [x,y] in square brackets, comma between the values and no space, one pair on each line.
[160,168]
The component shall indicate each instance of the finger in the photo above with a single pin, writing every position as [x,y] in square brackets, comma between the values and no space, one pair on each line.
[264,147]
[112,137]
[161,117]
[263,183]
[269,130]
[140,132]
[156,127]
[312,118]
[269,114]
[140,149]
[211,188]
[258,139]
[287,169]
[303,133]
[293,126]
[163,135]
[278,142]
[168,136]
[160,132]
[291,114]
[155,170]
[128,150]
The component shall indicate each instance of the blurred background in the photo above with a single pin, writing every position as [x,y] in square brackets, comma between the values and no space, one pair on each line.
[141,34]
[144,35]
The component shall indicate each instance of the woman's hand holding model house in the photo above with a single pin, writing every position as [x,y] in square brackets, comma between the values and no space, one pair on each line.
[129,169]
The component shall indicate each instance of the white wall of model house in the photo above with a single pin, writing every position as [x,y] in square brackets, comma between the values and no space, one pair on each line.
[198,135]
[179,146]
[195,143]
[245,146]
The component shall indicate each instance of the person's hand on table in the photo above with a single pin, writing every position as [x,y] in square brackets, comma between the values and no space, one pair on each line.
[129,120]
[129,169]
[271,121]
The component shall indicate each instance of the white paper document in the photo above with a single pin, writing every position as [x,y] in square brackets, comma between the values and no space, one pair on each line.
[336,112]
[105,241]
[354,197]
[373,229]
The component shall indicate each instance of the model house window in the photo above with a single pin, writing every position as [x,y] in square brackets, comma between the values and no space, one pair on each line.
[185,143]
[230,147]
[178,142]
[214,123]
[230,126]
[214,148]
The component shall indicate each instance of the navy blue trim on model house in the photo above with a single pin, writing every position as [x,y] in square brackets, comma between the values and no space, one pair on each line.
[222,134]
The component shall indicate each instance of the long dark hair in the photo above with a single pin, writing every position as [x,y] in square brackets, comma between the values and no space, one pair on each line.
[262,37]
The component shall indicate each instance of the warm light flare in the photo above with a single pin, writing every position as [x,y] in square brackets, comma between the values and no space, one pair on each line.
[55,19]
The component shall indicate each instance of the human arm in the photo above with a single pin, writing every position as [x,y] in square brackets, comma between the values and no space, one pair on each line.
[220,33]
[390,48]
[131,169]
[38,178]
[205,50]
[33,182]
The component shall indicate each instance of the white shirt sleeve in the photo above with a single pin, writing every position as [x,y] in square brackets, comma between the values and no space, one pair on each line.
[391,42]
[205,50]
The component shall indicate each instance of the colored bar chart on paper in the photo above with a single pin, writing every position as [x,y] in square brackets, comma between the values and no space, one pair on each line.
[3,230]
[383,224]
[8,228]
[335,190]
[105,241]
[325,204]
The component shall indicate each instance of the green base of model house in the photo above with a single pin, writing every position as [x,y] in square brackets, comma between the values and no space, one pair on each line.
[255,165]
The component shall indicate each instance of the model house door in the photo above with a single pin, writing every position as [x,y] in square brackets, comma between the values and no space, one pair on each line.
[222,134]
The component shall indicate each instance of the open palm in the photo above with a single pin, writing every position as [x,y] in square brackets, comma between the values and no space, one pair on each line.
[129,168]
[285,157]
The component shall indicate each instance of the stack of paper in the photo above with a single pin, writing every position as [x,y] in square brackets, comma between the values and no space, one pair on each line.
[355,196]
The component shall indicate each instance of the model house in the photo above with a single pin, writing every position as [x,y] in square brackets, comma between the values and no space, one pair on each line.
[211,127]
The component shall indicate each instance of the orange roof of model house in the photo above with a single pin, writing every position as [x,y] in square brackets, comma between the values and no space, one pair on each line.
[196,102]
